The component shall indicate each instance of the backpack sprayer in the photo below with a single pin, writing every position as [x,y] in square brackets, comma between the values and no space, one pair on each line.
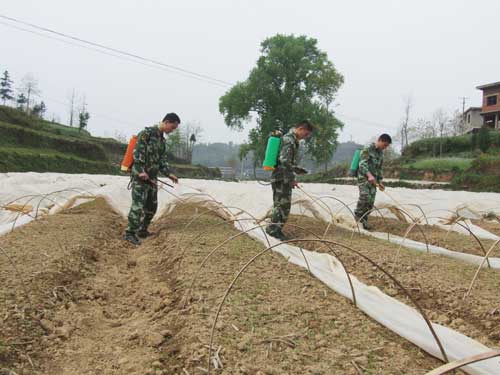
[353,170]
[128,161]
[128,158]
[273,151]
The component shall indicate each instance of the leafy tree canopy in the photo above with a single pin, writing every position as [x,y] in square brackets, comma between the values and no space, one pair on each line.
[292,81]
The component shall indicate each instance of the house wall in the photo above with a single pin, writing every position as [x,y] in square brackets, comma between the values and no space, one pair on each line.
[488,92]
[474,121]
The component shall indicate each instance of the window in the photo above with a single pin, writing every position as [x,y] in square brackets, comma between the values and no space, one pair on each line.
[491,100]
[468,118]
[489,121]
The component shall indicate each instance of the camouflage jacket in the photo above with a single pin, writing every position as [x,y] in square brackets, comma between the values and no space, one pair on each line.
[150,154]
[287,159]
[371,160]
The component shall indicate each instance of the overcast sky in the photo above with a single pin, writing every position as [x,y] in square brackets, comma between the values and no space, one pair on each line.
[435,51]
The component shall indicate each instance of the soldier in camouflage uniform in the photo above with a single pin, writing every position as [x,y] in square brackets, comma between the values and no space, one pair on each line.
[369,176]
[150,159]
[283,177]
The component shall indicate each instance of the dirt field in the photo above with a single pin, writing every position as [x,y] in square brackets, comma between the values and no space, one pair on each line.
[101,307]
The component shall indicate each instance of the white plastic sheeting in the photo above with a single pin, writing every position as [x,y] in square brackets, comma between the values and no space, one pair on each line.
[419,246]
[255,198]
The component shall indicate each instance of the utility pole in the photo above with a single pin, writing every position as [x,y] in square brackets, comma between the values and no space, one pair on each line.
[242,168]
[72,108]
[28,101]
[463,98]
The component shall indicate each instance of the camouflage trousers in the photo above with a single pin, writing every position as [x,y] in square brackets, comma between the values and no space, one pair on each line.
[144,206]
[282,202]
[366,201]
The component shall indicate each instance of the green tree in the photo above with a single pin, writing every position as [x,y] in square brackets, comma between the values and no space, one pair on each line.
[484,139]
[174,143]
[21,101]
[39,109]
[6,87]
[322,146]
[83,120]
[293,81]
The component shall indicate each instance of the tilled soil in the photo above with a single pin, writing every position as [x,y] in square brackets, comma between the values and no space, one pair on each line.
[94,299]
[277,320]
[438,283]
[39,264]
[433,235]
[101,307]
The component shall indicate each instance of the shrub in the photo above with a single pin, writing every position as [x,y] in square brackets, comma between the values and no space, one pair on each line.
[484,139]
[451,145]
[483,175]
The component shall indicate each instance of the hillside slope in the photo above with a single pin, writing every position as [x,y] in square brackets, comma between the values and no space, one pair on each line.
[29,144]
[32,144]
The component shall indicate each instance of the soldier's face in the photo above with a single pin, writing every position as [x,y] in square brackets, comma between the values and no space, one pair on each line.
[383,145]
[169,127]
[303,133]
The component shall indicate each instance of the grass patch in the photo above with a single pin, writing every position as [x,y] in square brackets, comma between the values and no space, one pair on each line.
[15,159]
[442,164]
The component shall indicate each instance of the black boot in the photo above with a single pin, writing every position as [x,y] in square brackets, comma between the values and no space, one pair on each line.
[132,238]
[276,233]
[363,221]
[144,233]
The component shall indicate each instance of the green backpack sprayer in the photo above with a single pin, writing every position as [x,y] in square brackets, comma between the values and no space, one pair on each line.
[353,170]
[272,151]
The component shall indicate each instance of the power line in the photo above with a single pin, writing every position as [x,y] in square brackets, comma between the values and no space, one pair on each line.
[79,45]
[110,54]
[367,122]
[105,53]
[134,56]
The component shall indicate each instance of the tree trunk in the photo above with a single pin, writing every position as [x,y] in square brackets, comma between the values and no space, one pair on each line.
[28,101]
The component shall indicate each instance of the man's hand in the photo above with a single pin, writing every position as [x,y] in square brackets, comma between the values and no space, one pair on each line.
[381,186]
[174,178]
[143,176]
[371,179]
[299,170]
[294,184]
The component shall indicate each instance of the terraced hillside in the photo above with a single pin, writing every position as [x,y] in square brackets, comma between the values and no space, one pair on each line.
[29,144]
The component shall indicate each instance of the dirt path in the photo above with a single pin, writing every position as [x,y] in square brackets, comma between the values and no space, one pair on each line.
[113,320]
[97,316]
